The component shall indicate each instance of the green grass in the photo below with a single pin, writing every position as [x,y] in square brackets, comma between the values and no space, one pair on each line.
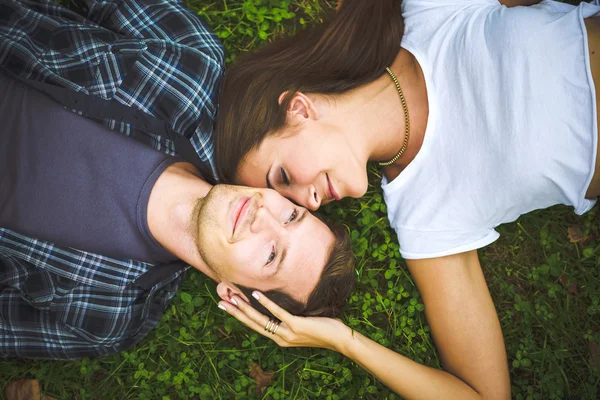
[546,289]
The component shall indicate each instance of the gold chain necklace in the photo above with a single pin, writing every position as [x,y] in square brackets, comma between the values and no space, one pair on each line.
[407,120]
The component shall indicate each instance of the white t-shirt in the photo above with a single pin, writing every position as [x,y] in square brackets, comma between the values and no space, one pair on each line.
[512,121]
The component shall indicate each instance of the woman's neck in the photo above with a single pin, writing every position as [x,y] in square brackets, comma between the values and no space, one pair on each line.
[382,125]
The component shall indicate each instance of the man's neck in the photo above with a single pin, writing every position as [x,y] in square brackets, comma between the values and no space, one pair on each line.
[171,209]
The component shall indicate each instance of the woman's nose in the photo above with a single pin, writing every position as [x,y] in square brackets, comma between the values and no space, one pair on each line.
[305,196]
[313,201]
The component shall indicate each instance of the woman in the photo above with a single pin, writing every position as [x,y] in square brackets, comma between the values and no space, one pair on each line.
[486,113]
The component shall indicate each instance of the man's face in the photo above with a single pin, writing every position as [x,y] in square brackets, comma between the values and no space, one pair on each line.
[259,239]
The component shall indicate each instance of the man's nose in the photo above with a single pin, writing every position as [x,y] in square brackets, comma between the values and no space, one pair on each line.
[264,219]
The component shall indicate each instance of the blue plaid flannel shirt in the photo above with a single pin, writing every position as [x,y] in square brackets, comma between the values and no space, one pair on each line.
[151,55]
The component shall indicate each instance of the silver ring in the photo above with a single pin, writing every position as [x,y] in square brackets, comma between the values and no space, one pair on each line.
[276,327]
[269,325]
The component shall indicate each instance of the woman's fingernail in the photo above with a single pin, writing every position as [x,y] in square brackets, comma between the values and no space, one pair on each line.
[222,307]
[233,301]
[255,295]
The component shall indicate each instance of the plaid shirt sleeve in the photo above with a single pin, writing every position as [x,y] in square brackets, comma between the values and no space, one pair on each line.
[61,303]
[171,21]
[154,56]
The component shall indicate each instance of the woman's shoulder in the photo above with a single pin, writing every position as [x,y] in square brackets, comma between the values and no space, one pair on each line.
[425,21]
[419,8]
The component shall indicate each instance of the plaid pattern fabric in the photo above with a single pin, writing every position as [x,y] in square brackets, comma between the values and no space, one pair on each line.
[151,55]
[60,303]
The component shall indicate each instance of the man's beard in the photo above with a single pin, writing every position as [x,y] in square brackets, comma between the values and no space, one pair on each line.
[205,222]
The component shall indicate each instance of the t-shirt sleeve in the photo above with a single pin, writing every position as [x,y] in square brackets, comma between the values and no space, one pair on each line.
[432,3]
[428,4]
[416,244]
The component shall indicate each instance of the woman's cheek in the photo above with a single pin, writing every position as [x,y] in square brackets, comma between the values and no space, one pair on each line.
[357,187]
[305,176]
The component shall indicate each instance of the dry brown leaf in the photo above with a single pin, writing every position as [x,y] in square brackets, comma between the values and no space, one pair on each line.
[576,235]
[262,378]
[564,279]
[25,389]
[573,289]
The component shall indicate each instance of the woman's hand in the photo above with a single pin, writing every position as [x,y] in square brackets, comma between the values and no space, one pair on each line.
[293,331]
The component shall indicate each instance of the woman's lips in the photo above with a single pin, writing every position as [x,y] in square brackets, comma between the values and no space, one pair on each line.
[332,193]
[239,212]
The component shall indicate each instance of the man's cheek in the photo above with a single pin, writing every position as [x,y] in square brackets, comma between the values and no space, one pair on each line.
[243,257]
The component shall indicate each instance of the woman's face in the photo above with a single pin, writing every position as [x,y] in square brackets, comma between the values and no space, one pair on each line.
[311,164]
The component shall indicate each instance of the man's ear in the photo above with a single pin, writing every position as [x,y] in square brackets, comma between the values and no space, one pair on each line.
[227,290]
[301,105]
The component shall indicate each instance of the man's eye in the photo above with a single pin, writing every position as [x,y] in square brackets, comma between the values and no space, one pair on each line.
[271,257]
[284,178]
[293,216]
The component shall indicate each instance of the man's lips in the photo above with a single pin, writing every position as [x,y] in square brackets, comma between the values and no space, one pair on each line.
[332,193]
[239,212]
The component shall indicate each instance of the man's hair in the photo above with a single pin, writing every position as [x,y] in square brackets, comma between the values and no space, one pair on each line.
[335,285]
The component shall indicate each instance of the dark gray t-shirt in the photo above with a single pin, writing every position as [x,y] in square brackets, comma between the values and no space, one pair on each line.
[71,181]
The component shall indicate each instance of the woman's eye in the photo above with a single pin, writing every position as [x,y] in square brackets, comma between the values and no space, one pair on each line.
[293,216]
[271,257]
[284,178]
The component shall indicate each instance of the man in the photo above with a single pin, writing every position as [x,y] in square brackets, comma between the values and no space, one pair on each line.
[83,189]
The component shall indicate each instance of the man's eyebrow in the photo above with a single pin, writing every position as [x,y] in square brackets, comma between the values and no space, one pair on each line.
[302,216]
[283,255]
[285,248]
[268,182]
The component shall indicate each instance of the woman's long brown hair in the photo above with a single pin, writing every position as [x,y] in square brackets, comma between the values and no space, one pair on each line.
[353,49]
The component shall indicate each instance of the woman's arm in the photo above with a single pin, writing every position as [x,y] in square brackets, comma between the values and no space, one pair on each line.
[404,376]
[463,321]
[478,358]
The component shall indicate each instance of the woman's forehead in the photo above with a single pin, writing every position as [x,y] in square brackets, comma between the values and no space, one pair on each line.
[253,169]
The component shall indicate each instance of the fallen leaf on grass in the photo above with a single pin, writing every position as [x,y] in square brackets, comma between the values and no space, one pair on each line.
[564,279]
[576,235]
[25,389]
[262,378]
[571,288]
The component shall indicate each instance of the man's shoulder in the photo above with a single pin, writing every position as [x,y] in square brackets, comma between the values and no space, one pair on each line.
[41,38]
[161,20]
[155,56]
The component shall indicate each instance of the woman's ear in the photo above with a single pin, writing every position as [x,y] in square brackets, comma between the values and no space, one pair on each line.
[227,290]
[300,105]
